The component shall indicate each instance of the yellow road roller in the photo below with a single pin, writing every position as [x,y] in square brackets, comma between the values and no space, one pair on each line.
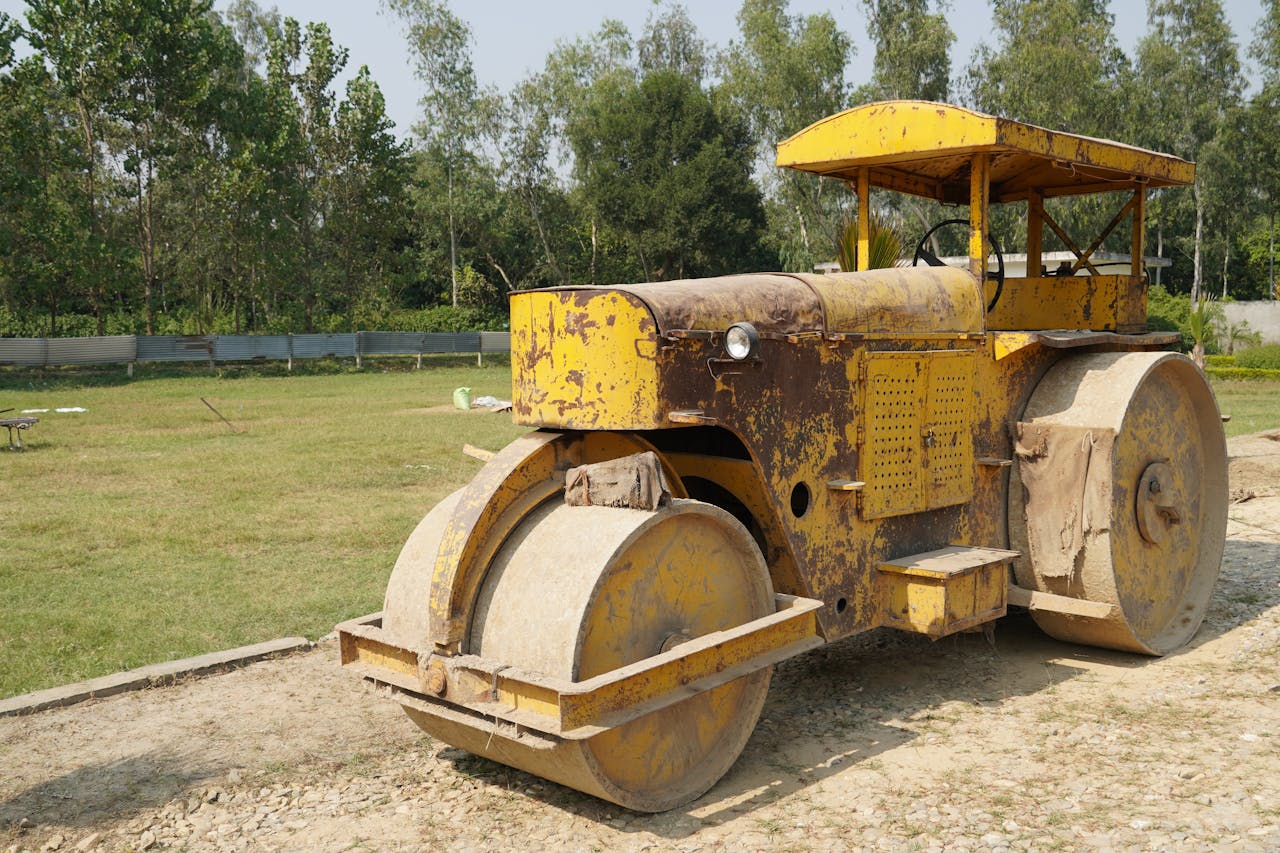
[724,473]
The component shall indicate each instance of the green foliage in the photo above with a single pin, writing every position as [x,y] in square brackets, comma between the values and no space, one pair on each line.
[1239,335]
[886,249]
[658,164]
[786,72]
[1243,373]
[1220,361]
[1203,322]
[671,43]
[476,291]
[1260,357]
[449,318]
[165,169]
[1168,312]
[1040,45]
[912,60]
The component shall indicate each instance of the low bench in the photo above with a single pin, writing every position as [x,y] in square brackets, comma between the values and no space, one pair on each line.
[16,426]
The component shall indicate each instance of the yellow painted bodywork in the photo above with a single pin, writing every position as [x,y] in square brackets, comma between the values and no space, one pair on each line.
[901,300]
[947,590]
[584,359]
[594,705]
[1098,302]
[882,396]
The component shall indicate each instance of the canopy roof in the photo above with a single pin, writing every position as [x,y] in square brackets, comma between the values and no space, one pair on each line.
[924,149]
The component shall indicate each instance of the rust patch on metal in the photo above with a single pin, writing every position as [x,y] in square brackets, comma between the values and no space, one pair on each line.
[772,302]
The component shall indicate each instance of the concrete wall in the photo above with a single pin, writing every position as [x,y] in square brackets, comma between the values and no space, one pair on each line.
[1262,317]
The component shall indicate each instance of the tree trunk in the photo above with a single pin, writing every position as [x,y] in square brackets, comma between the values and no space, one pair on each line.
[593,248]
[1196,279]
[804,235]
[1226,256]
[1159,248]
[91,190]
[146,244]
[497,266]
[542,234]
[453,244]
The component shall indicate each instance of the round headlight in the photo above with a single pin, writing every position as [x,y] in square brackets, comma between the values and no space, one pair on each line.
[741,341]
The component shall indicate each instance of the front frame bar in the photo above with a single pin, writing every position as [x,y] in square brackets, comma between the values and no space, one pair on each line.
[577,710]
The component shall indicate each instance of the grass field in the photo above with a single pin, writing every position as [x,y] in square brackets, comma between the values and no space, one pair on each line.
[1252,405]
[145,530]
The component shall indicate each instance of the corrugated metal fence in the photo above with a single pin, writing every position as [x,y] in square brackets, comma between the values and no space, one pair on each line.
[126,349]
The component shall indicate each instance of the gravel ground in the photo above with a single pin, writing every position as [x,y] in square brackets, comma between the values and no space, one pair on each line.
[883,741]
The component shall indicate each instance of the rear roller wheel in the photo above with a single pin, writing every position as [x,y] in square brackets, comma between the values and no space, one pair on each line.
[1125,468]
[579,591]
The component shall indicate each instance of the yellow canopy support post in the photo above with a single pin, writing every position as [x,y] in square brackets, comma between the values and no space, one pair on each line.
[864,219]
[1138,249]
[979,186]
[1035,233]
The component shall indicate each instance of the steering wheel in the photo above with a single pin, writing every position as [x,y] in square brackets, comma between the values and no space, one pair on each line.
[932,260]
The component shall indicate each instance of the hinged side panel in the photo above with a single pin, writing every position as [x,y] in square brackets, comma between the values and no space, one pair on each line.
[916,444]
[948,438]
[890,460]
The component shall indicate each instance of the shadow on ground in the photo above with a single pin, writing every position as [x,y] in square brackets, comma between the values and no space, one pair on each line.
[839,705]
[105,792]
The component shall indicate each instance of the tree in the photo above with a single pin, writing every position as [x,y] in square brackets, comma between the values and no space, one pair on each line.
[454,105]
[671,43]
[785,73]
[1262,139]
[254,28]
[368,215]
[669,175]
[86,46]
[1189,79]
[311,146]
[1056,63]
[44,251]
[541,109]
[912,45]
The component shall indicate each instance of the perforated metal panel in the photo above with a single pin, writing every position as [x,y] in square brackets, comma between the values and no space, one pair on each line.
[948,430]
[917,438]
[891,461]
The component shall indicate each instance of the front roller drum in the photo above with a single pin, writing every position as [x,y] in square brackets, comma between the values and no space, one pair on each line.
[1123,466]
[575,592]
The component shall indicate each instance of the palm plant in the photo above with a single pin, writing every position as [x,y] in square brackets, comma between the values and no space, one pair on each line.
[1201,323]
[885,250]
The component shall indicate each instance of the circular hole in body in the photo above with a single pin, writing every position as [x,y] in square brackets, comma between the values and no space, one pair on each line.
[799,500]
[841,605]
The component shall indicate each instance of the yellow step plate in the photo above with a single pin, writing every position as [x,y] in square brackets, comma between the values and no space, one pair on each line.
[944,591]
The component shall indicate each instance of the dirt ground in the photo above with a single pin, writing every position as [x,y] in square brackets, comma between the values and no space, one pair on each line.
[884,741]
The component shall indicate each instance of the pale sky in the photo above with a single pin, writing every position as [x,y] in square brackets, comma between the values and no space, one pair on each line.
[513,37]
